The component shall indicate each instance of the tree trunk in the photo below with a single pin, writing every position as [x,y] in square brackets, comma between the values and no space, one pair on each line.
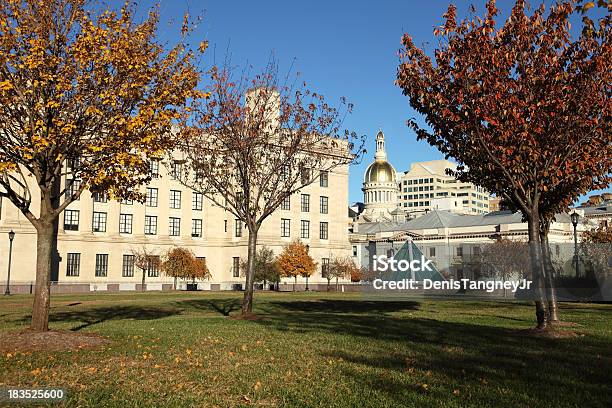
[294,282]
[247,301]
[336,283]
[551,292]
[328,284]
[42,292]
[535,252]
[142,284]
[175,283]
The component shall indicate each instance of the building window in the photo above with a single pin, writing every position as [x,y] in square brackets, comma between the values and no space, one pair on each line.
[225,225]
[151,198]
[73,164]
[324,178]
[125,223]
[476,251]
[286,204]
[432,251]
[305,175]
[127,269]
[99,222]
[324,267]
[459,251]
[285,227]
[196,228]
[153,266]
[354,250]
[150,225]
[197,201]
[304,229]
[71,220]
[324,205]
[305,202]
[99,197]
[101,265]
[72,186]
[127,201]
[174,227]
[175,199]
[238,228]
[73,264]
[323,230]
[175,170]
[236,267]
[154,168]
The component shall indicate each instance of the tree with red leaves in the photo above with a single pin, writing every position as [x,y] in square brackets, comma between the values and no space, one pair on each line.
[523,107]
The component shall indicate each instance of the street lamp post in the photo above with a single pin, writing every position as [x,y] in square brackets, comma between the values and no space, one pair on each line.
[575,217]
[11,235]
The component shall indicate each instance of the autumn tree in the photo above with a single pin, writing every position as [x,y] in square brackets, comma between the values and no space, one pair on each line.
[295,261]
[181,263]
[341,268]
[86,96]
[145,259]
[505,258]
[596,245]
[257,140]
[359,274]
[198,270]
[266,268]
[177,261]
[523,107]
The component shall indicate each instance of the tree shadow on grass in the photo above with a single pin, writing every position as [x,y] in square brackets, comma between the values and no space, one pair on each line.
[221,306]
[90,317]
[345,306]
[534,370]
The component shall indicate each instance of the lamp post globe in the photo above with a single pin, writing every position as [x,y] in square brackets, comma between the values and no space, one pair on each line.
[575,217]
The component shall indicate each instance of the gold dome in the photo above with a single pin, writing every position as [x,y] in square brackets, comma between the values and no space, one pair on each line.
[380,172]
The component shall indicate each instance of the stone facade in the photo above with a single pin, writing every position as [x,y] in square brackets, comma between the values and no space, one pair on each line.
[96,236]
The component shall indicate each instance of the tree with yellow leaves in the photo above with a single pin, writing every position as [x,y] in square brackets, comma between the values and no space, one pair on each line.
[182,263]
[86,97]
[295,261]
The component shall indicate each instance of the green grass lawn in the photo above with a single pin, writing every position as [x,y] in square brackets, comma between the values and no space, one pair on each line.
[314,350]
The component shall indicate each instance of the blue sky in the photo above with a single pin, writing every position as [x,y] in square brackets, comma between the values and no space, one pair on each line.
[342,48]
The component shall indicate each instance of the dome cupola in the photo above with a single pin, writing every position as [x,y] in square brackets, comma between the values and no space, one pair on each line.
[380,188]
[381,171]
